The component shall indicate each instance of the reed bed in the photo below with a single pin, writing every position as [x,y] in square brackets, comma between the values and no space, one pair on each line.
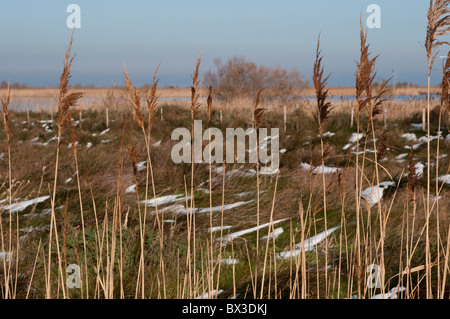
[100,211]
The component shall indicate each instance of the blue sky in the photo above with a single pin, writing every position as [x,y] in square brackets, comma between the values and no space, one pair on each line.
[142,34]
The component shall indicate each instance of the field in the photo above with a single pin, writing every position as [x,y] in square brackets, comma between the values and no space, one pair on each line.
[179,256]
[95,204]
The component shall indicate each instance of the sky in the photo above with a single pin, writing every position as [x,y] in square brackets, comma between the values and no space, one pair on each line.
[143,34]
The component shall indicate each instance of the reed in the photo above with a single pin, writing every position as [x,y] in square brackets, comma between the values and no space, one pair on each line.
[66,100]
[7,125]
[323,111]
[438,26]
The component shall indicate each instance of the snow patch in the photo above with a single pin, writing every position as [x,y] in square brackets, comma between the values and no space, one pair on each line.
[163,200]
[444,179]
[374,194]
[310,244]
[218,228]
[391,294]
[355,137]
[214,293]
[319,169]
[226,239]
[275,234]
[131,189]
[104,132]
[20,206]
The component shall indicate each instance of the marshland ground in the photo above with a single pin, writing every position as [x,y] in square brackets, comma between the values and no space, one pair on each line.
[177,254]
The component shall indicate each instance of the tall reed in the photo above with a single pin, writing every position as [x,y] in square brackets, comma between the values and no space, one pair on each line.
[438,26]
[65,102]
[323,110]
[7,125]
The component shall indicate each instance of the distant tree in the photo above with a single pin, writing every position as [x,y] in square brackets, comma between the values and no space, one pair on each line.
[241,78]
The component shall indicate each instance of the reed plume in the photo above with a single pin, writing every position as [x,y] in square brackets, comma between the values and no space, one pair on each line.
[323,106]
[134,101]
[5,106]
[438,26]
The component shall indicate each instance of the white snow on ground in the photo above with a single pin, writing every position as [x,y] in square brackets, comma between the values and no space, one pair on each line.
[88,145]
[374,194]
[327,134]
[141,165]
[240,233]
[5,255]
[414,147]
[131,189]
[157,143]
[163,200]
[175,209]
[181,209]
[419,169]
[362,152]
[214,293]
[267,170]
[46,125]
[217,228]
[410,137]
[320,169]
[31,229]
[20,206]
[277,232]
[243,194]
[44,212]
[267,140]
[283,150]
[67,181]
[108,140]
[401,157]
[355,137]
[444,178]
[54,138]
[346,146]
[310,243]
[170,221]
[216,209]
[234,172]
[105,131]
[70,145]
[391,294]
[433,198]
[447,139]
[227,261]
[421,140]
[35,139]
[424,139]
[416,125]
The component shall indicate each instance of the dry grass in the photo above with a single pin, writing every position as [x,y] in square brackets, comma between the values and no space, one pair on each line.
[126,250]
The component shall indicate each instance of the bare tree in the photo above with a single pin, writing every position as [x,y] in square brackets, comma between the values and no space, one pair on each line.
[239,78]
